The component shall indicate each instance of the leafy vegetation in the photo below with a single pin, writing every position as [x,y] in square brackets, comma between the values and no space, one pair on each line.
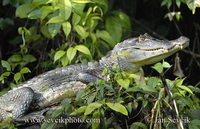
[56,33]
[117,102]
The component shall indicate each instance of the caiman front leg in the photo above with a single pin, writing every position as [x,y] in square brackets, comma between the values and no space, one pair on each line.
[18,102]
[87,77]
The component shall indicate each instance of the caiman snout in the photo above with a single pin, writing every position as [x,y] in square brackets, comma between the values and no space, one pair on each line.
[182,41]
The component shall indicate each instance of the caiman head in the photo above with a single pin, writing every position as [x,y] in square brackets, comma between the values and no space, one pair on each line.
[143,50]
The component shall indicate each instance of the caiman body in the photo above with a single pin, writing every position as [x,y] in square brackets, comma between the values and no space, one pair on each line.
[53,86]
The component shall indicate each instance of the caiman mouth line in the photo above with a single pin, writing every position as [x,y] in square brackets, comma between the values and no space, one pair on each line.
[159,48]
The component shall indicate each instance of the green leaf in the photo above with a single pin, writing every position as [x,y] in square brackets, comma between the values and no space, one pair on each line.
[56,19]
[39,2]
[81,31]
[57,112]
[166,64]
[153,81]
[178,3]
[79,110]
[148,89]
[83,49]
[169,3]
[135,76]
[23,10]
[124,19]
[144,103]
[134,89]
[45,88]
[71,52]
[105,36]
[158,67]
[178,16]
[82,1]
[137,125]
[185,88]
[96,115]
[91,98]
[91,107]
[78,8]
[114,28]
[194,124]
[35,14]
[179,82]
[29,58]
[54,28]
[64,60]
[6,65]
[124,83]
[79,94]
[75,19]
[17,76]
[15,58]
[48,125]
[6,74]
[58,55]
[25,70]
[65,8]
[46,10]
[45,32]
[164,2]
[66,26]
[103,4]
[118,108]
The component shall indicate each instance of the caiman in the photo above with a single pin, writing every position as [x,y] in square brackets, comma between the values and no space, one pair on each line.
[53,86]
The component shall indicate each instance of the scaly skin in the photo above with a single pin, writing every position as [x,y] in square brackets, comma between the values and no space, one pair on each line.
[54,86]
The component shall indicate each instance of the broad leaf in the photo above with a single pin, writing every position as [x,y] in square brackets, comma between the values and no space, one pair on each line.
[46,10]
[91,107]
[35,14]
[71,52]
[114,28]
[6,65]
[66,26]
[23,10]
[82,1]
[158,67]
[15,58]
[39,2]
[95,116]
[148,88]
[124,83]
[137,125]
[17,76]
[55,19]
[65,8]
[29,58]
[118,107]
[186,89]
[54,28]
[83,49]
[105,36]
[166,64]
[64,60]
[25,70]
[81,31]
[75,19]
[58,55]
[79,110]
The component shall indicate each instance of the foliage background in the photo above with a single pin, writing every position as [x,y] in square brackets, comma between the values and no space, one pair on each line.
[39,54]
[145,15]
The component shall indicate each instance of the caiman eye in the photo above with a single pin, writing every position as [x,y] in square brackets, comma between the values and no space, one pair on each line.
[142,38]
